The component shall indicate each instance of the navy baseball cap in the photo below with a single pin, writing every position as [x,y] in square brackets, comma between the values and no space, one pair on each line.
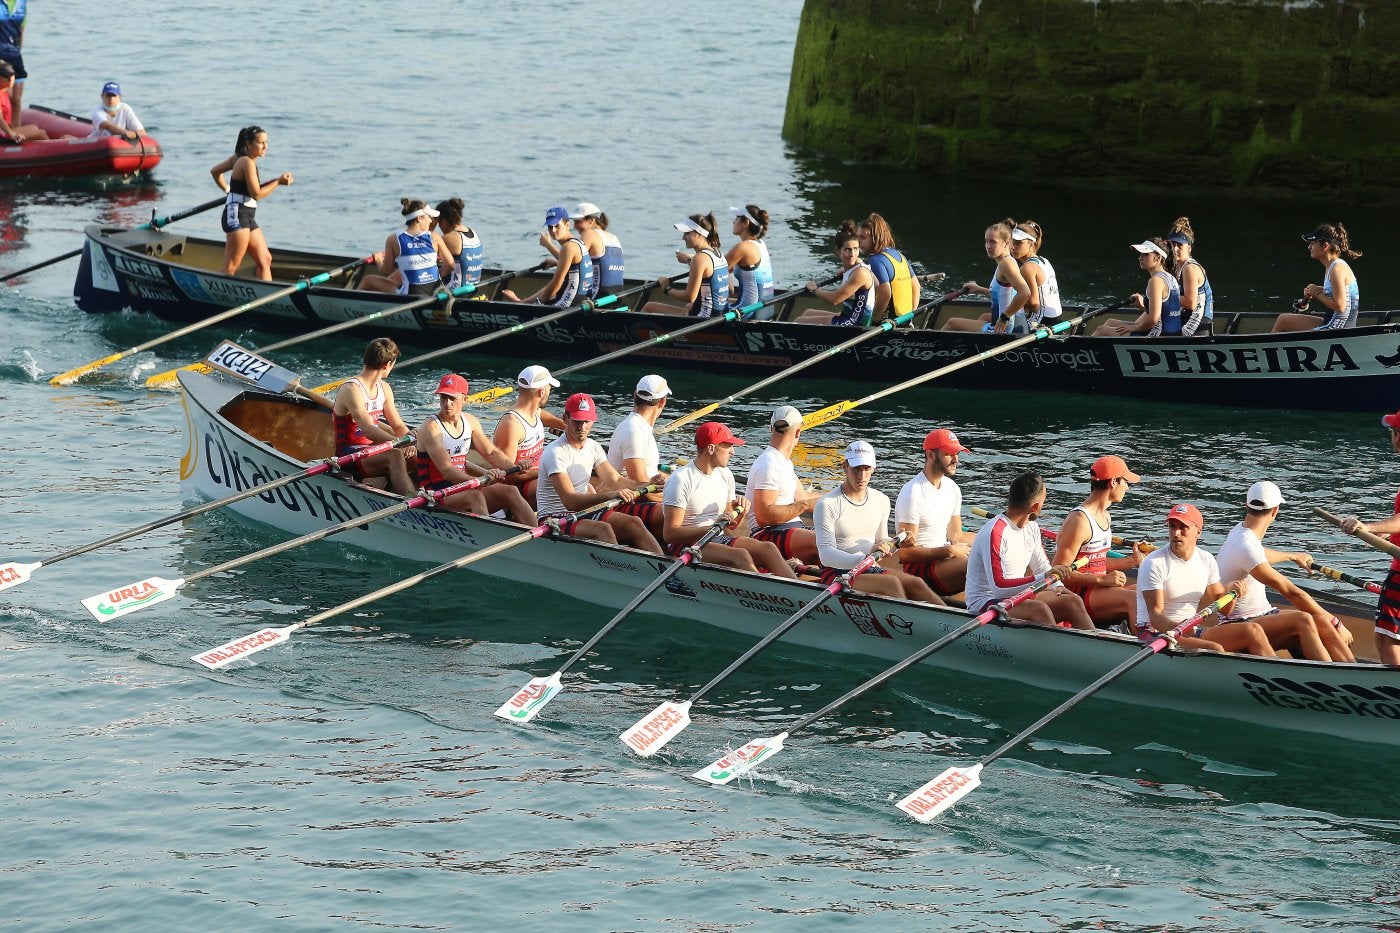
[111,87]
[555,215]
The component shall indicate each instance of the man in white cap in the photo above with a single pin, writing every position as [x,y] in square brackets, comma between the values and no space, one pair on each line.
[575,474]
[851,521]
[632,449]
[929,509]
[445,439]
[779,498]
[520,432]
[1308,628]
[1088,532]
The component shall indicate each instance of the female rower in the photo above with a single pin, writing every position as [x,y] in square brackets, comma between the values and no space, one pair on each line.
[753,272]
[855,294]
[242,233]
[896,286]
[707,289]
[1008,290]
[1197,298]
[462,242]
[1043,289]
[1329,245]
[573,270]
[1160,307]
[414,258]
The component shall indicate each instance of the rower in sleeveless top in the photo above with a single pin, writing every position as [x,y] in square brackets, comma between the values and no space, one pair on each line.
[1160,306]
[413,259]
[1197,297]
[1007,290]
[1087,531]
[365,414]
[445,439]
[632,450]
[749,264]
[520,434]
[242,235]
[1338,294]
[572,281]
[706,292]
[897,289]
[463,244]
[1388,605]
[1043,296]
[604,248]
[856,292]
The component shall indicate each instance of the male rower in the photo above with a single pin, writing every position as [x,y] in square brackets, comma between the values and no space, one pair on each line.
[929,510]
[568,468]
[364,414]
[1388,605]
[520,432]
[779,498]
[445,439]
[1088,532]
[1007,556]
[699,492]
[1180,579]
[851,521]
[1307,628]
[632,450]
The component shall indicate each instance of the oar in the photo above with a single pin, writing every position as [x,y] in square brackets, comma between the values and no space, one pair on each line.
[231,651]
[1342,577]
[73,375]
[155,224]
[744,759]
[167,379]
[120,600]
[13,574]
[833,412]
[954,784]
[735,314]
[526,704]
[1376,541]
[649,734]
[866,334]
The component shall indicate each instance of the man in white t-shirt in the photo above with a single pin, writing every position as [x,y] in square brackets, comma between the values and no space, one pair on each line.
[1179,580]
[1308,629]
[779,498]
[698,493]
[929,510]
[568,468]
[851,521]
[632,450]
[115,118]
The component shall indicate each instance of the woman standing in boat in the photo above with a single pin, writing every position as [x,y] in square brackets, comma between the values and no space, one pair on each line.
[1329,245]
[896,286]
[462,242]
[1197,297]
[1043,294]
[242,233]
[748,260]
[413,258]
[707,289]
[855,294]
[1160,306]
[1007,290]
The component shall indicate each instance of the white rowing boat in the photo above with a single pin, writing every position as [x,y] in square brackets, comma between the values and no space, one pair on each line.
[241,436]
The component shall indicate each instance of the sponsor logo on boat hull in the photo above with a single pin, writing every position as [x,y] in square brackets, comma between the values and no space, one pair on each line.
[1381,702]
[1288,359]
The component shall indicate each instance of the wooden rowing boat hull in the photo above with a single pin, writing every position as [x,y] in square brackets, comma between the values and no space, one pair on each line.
[239,436]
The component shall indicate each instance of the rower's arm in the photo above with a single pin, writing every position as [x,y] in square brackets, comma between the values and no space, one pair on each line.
[1072,537]
[561,272]
[355,408]
[219,170]
[767,512]
[674,529]
[611,480]
[573,499]
[1010,270]
[391,413]
[483,446]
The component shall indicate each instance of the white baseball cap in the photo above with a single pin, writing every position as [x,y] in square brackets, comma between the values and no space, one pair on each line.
[1263,495]
[787,416]
[535,377]
[860,453]
[585,209]
[652,388]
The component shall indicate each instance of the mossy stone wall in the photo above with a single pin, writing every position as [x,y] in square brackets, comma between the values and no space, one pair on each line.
[1273,96]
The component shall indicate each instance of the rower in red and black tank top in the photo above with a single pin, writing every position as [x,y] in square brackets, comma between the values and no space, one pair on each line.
[348,436]
[457,445]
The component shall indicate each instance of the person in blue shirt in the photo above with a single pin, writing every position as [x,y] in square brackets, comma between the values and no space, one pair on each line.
[12,14]
[1197,297]
[856,293]
[897,288]
[706,292]
[462,242]
[749,263]
[1161,303]
[1338,295]
[414,259]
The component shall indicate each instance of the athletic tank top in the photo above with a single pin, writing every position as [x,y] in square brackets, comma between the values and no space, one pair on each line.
[902,285]
[714,289]
[1096,548]
[607,269]
[1350,305]
[417,260]
[1048,292]
[348,436]
[466,265]
[527,452]
[1394,536]
[857,309]
[238,190]
[1002,296]
[754,284]
[458,446]
[579,280]
[1204,299]
[1169,324]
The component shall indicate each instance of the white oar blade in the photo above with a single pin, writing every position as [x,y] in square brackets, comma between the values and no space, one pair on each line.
[132,597]
[650,734]
[13,574]
[740,761]
[530,699]
[926,803]
[229,652]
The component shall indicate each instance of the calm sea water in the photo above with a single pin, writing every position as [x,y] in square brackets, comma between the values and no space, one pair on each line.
[358,776]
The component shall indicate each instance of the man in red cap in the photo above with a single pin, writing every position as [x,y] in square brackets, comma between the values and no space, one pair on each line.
[1087,532]
[929,510]
[698,493]
[1388,607]
[445,439]
[1178,580]
[575,473]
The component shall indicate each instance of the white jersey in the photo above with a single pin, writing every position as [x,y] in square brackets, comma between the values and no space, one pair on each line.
[1003,562]
[1241,553]
[531,445]
[1183,582]
[1048,292]
[772,470]
[633,439]
[929,508]
[703,496]
[577,463]
[847,531]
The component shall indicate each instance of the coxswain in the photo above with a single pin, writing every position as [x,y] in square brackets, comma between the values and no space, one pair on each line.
[520,433]
[1007,556]
[929,511]
[855,295]
[364,414]
[706,292]
[572,281]
[575,474]
[632,450]
[1338,294]
[1388,605]
[779,498]
[749,263]
[896,287]
[1088,532]
[445,439]
[852,521]
[414,259]
[700,492]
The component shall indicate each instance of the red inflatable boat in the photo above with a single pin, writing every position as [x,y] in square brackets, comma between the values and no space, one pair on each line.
[103,155]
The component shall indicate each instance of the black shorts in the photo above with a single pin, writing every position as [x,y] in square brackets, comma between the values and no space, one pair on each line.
[16,61]
[238,217]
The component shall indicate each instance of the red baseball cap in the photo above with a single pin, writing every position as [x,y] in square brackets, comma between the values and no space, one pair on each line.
[1391,421]
[712,432]
[1187,514]
[452,384]
[580,407]
[1111,467]
[944,440]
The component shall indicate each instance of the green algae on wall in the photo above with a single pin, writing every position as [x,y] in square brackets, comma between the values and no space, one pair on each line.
[1271,96]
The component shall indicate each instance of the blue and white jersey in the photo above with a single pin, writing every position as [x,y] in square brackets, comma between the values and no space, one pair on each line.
[714,289]
[579,280]
[1169,324]
[607,269]
[466,265]
[857,309]
[1350,306]
[754,284]
[1002,296]
[417,260]
[1203,309]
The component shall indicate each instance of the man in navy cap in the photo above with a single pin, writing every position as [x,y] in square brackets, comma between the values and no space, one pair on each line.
[115,117]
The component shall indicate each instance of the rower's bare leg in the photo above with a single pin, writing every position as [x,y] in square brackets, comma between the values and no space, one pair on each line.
[1069,607]
[1334,642]
[766,556]
[594,531]
[391,466]
[632,531]
[1109,605]
[1292,322]
[722,555]
[950,575]
[509,499]
[1199,644]
[470,501]
[661,307]
[1288,624]
[235,248]
[914,587]
[1033,611]
[1388,650]
[966,324]
[802,544]
[262,256]
[1241,637]
[883,584]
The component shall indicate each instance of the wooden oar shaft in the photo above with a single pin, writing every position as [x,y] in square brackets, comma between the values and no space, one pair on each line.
[1376,541]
